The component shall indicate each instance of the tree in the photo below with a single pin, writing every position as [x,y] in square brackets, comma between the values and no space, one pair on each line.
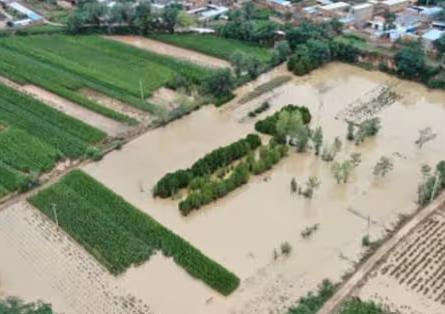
[219,84]
[94,12]
[237,59]
[186,20]
[350,134]
[74,22]
[143,19]
[342,170]
[16,306]
[293,185]
[170,18]
[410,61]
[286,248]
[311,184]
[390,18]
[317,138]
[319,50]
[425,135]
[383,166]
[368,128]
[356,159]
[283,49]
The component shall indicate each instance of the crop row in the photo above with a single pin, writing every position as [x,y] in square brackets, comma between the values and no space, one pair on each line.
[68,135]
[68,64]
[269,124]
[10,179]
[118,234]
[169,184]
[25,152]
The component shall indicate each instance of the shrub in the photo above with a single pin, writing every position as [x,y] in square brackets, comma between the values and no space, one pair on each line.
[93,153]
[286,248]
[268,125]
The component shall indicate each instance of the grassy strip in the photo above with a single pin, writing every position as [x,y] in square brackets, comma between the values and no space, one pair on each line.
[68,135]
[264,88]
[10,179]
[25,152]
[3,191]
[313,302]
[357,306]
[118,234]
[211,45]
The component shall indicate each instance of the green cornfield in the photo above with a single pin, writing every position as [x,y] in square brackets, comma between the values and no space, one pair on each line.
[118,235]
[213,45]
[65,65]
[33,137]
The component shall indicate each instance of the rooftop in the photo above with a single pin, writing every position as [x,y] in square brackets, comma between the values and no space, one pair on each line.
[393,2]
[433,34]
[336,6]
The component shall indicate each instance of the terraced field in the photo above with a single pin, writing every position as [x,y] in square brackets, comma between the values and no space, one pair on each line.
[68,65]
[212,45]
[34,137]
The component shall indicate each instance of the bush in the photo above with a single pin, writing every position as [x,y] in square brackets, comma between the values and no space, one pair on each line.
[268,125]
[366,241]
[171,183]
[313,302]
[93,153]
[286,248]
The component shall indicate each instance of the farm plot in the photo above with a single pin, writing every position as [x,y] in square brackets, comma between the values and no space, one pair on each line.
[66,65]
[118,234]
[412,278]
[36,137]
[215,46]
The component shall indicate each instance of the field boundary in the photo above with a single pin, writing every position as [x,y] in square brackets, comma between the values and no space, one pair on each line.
[373,261]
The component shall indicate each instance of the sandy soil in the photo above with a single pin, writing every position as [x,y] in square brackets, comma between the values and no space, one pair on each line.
[38,261]
[411,280]
[242,230]
[166,98]
[109,126]
[118,106]
[171,51]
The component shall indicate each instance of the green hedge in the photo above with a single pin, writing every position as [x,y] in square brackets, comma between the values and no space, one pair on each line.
[169,184]
[118,234]
[269,124]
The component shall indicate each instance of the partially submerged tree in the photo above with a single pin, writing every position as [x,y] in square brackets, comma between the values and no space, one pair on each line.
[383,166]
[317,138]
[311,184]
[291,126]
[425,135]
[367,128]
[293,185]
[356,159]
[350,134]
[17,306]
[286,248]
[219,84]
[342,170]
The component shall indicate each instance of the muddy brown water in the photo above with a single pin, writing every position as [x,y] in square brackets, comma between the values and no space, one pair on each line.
[242,230]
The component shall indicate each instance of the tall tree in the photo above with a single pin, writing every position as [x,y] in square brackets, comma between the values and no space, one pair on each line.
[410,61]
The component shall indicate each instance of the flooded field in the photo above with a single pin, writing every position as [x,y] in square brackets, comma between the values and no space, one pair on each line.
[171,51]
[242,230]
[412,279]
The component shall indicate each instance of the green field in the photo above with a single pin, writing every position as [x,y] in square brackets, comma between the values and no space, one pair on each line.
[66,64]
[212,45]
[34,137]
[118,234]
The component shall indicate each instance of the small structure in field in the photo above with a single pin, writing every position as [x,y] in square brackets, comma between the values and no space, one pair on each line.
[208,12]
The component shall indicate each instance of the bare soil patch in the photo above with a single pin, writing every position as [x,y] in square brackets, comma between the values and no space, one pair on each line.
[118,106]
[166,98]
[172,51]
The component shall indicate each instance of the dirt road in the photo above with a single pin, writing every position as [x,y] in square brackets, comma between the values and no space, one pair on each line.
[171,51]
[332,305]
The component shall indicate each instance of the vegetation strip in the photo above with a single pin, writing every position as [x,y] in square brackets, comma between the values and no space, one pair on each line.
[264,88]
[118,234]
[171,183]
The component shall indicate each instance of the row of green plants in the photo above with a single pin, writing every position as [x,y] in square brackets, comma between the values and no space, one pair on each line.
[119,235]
[204,190]
[68,135]
[311,303]
[25,152]
[263,107]
[265,87]
[269,124]
[171,183]
[68,64]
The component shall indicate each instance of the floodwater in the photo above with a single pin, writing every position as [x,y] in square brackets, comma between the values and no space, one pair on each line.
[242,230]
[171,51]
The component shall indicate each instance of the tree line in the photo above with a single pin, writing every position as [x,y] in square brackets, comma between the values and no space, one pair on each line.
[171,183]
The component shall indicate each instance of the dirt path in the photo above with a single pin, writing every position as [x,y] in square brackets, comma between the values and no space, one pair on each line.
[332,305]
[109,126]
[171,51]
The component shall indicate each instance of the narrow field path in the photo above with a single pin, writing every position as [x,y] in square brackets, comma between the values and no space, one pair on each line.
[109,126]
[171,51]
[333,304]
